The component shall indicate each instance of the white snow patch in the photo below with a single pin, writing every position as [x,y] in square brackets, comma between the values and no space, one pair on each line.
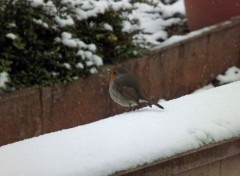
[67,40]
[92,47]
[153,19]
[81,14]
[89,63]
[57,40]
[11,36]
[128,27]
[80,65]
[107,27]
[178,38]
[62,22]
[75,77]
[66,35]
[232,74]
[93,70]
[36,3]
[97,60]
[50,8]
[81,44]
[67,66]
[70,43]
[81,53]
[40,22]
[12,25]
[54,73]
[4,78]
[123,4]
[170,10]
[209,86]
[88,54]
[130,139]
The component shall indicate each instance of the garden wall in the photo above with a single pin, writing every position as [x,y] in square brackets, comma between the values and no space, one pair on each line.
[221,159]
[166,73]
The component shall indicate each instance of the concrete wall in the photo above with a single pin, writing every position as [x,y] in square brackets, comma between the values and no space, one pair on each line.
[167,73]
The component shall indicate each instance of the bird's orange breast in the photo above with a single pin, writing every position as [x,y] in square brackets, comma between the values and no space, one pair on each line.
[112,77]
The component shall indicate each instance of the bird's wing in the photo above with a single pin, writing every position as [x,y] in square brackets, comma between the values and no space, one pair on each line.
[130,94]
[129,86]
[127,80]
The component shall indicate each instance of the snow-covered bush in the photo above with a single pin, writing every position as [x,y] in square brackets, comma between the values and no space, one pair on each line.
[43,42]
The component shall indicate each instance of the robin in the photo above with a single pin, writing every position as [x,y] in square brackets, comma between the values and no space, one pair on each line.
[126,90]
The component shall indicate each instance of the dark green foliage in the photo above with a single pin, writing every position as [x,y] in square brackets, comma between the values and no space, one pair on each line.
[114,45]
[34,58]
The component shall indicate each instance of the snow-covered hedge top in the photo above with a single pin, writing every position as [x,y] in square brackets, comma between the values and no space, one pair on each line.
[130,139]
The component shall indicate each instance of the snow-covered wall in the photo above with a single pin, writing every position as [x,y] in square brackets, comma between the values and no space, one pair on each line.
[168,73]
[130,139]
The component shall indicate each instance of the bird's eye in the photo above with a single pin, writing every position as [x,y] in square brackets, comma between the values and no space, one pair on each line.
[115,73]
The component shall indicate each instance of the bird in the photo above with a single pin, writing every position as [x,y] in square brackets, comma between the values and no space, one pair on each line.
[125,89]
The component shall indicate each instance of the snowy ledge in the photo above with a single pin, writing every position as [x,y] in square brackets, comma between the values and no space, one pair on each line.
[196,34]
[131,139]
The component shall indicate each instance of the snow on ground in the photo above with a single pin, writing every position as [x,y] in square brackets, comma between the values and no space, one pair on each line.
[130,139]
[209,86]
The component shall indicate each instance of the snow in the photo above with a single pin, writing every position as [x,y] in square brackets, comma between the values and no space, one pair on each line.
[81,44]
[70,43]
[4,78]
[153,20]
[232,74]
[88,54]
[81,15]
[92,47]
[40,22]
[123,4]
[67,40]
[62,22]
[93,70]
[67,66]
[80,65]
[66,35]
[91,8]
[130,139]
[107,27]
[54,73]
[209,86]
[11,36]
[89,63]
[178,38]
[170,10]
[36,3]
[97,60]
[81,53]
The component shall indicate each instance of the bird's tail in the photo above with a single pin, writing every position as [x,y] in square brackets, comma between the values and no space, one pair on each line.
[156,104]
[150,103]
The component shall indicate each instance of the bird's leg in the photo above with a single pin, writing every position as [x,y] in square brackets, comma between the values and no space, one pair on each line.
[149,104]
[134,108]
[129,108]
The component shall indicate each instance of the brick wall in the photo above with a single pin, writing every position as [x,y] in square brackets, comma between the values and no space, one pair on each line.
[167,73]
